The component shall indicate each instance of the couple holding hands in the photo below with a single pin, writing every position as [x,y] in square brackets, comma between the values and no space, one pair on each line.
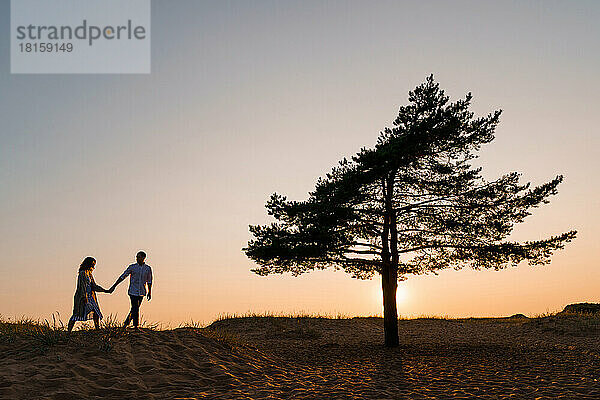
[86,306]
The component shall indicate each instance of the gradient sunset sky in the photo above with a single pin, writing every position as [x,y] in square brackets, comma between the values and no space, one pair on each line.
[247,98]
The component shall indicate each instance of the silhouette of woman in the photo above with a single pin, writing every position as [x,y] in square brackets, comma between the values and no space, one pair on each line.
[85,303]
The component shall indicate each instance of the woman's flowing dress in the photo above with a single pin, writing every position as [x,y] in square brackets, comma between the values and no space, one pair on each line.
[85,302]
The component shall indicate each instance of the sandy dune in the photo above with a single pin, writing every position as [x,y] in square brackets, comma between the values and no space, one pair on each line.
[281,358]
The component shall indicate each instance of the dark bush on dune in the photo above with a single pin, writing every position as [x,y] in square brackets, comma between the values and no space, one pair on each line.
[582,308]
[518,316]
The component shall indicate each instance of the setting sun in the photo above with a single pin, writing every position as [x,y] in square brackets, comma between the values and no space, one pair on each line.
[402,294]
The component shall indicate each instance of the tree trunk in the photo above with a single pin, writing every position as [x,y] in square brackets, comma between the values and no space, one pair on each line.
[389,284]
[389,270]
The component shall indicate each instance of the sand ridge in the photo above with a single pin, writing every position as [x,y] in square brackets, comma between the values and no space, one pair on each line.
[142,365]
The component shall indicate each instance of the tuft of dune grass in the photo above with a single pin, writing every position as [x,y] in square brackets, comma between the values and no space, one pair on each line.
[271,315]
[41,334]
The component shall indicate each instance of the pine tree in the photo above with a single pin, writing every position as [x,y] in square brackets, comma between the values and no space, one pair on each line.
[413,204]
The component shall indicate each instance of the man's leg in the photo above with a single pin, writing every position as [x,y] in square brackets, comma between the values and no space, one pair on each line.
[135,311]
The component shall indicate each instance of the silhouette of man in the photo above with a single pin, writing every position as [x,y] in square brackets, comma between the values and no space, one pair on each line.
[140,276]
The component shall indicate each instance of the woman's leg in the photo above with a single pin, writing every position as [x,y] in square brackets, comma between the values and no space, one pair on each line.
[71,324]
[96,321]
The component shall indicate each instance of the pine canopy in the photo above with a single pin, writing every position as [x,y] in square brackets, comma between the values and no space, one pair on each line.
[413,201]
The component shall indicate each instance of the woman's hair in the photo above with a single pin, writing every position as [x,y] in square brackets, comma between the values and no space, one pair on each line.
[88,263]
